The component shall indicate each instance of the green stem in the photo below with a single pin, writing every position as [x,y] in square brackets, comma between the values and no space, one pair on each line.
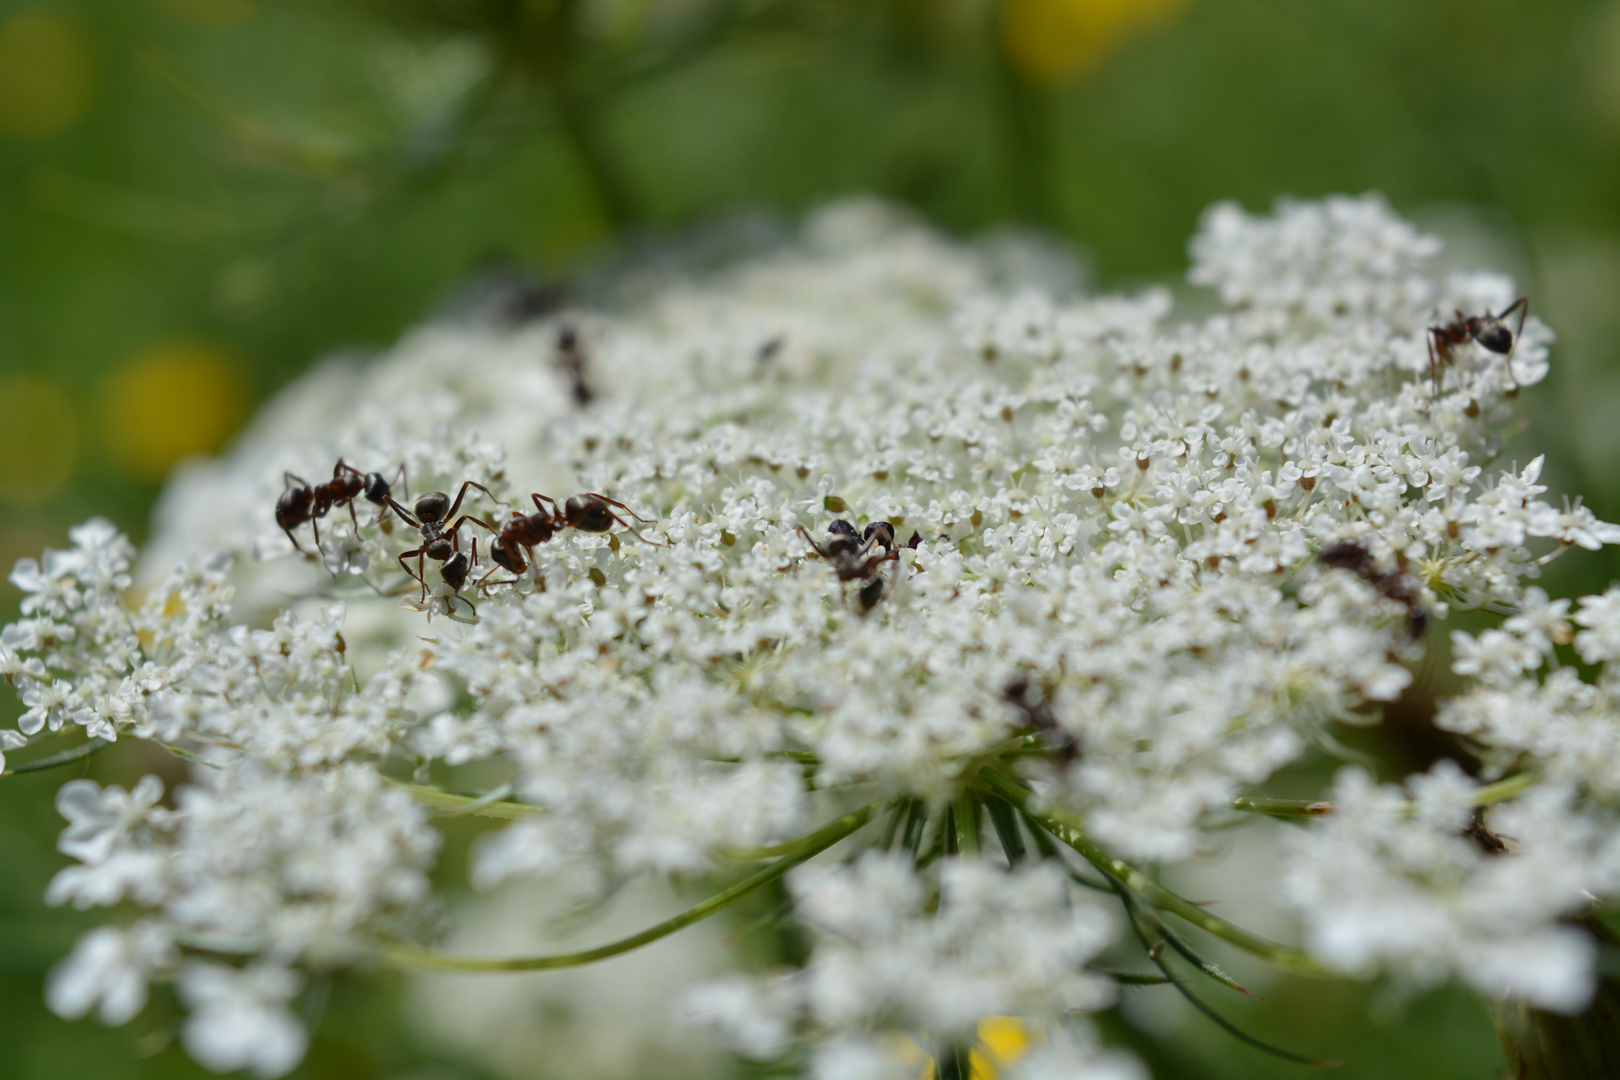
[1068,828]
[811,843]
[470,805]
[64,758]
[411,956]
[1287,809]
[191,756]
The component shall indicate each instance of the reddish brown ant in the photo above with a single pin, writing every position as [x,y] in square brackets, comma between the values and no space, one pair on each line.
[513,548]
[1353,556]
[1489,330]
[435,517]
[853,559]
[300,502]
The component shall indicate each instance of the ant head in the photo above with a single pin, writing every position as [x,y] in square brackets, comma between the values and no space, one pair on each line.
[1017,689]
[507,556]
[293,506]
[432,506]
[376,488]
[840,527]
[870,593]
[587,513]
[1493,333]
[883,531]
[455,570]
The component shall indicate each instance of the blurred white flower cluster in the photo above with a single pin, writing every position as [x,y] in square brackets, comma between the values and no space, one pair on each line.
[1138,564]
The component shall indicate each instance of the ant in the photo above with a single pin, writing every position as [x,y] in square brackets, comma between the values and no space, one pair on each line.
[1038,713]
[455,571]
[513,546]
[1489,330]
[1353,556]
[435,517]
[852,558]
[300,502]
[571,358]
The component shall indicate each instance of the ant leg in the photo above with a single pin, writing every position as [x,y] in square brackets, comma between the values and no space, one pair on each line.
[1523,304]
[404,515]
[289,479]
[403,481]
[620,505]
[463,494]
[455,529]
[344,467]
[294,540]
[555,511]
[483,584]
[417,573]
[632,531]
[812,542]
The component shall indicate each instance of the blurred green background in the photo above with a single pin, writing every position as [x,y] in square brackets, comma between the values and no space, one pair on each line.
[198,198]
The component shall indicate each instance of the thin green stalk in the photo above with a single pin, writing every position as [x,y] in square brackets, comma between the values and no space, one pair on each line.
[1130,978]
[916,823]
[966,812]
[892,828]
[1155,951]
[787,847]
[412,956]
[471,805]
[1067,828]
[64,758]
[1289,809]
[191,756]
[1006,824]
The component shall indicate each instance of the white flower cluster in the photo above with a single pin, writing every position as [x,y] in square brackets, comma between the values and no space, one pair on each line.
[990,943]
[1139,563]
[1387,882]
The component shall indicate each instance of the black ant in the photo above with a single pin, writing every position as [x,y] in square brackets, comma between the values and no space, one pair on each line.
[1353,556]
[300,502]
[513,547]
[435,516]
[1038,713]
[571,357]
[455,571]
[853,559]
[1489,330]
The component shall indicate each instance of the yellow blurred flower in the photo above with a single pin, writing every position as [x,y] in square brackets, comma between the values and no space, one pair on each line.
[1049,41]
[47,74]
[42,438]
[1002,1041]
[169,402]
